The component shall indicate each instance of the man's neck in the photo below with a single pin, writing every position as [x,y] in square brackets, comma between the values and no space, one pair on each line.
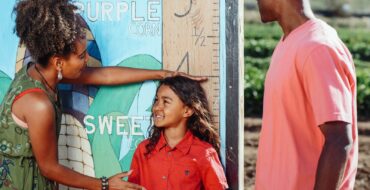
[294,16]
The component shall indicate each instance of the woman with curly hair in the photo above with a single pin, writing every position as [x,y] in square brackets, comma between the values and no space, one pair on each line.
[30,113]
[181,152]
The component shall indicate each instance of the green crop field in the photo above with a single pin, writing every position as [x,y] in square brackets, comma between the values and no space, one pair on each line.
[260,41]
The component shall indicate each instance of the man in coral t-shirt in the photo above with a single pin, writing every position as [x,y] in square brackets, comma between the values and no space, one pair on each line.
[309,131]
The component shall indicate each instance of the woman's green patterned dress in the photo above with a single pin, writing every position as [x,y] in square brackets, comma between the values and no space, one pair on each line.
[18,167]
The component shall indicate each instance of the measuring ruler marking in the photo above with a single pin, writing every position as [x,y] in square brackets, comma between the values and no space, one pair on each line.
[191,43]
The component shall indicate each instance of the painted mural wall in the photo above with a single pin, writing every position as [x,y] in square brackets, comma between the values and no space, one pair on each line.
[101,126]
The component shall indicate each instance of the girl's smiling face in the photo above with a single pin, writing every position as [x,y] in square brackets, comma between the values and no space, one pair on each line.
[168,109]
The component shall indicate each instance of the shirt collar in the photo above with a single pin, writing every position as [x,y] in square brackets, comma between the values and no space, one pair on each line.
[183,146]
[161,142]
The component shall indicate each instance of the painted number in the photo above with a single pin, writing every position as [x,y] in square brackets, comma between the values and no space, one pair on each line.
[186,12]
[184,59]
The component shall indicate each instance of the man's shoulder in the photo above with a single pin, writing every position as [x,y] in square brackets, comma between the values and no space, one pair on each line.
[320,35]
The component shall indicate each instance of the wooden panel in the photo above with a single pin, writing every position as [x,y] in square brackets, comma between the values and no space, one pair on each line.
[191,43]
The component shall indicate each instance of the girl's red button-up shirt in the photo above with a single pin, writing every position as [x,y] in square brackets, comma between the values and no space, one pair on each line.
[191,165]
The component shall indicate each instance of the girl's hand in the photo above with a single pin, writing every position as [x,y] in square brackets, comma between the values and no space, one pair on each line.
[116,183]
[176,73]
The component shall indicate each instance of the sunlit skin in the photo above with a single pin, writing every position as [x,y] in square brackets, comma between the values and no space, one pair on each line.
[170,113]
[268,10]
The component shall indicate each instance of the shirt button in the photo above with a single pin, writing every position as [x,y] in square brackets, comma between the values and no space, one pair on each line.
[169,154]
[164,177]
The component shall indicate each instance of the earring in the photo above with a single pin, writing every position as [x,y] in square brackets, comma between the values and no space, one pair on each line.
[60,76]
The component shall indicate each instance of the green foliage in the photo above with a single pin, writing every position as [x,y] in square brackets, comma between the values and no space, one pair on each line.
[253,91]
[260,63]
[260,41]
[352,36]
[363,93]
[357,41]
[259,48]
[360,50]
[259,31]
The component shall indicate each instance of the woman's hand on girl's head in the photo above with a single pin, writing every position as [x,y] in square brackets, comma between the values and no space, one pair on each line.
[116,183]
[192,77]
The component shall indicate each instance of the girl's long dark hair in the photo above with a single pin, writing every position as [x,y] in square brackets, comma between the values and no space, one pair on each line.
[200,123]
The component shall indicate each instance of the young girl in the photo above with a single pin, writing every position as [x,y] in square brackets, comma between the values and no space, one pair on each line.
[182,150]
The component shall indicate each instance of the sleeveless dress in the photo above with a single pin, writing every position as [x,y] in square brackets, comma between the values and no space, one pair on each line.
[18,167]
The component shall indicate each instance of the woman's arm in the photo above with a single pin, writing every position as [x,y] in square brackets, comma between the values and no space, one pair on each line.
[39,115]
[122,75]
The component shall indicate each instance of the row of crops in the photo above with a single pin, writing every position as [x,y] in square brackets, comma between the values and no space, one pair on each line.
[260,41]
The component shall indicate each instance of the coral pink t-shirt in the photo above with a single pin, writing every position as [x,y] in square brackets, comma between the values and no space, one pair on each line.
[311,80]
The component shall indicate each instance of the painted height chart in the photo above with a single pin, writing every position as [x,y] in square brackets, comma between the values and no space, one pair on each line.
[191,43]
[101,125]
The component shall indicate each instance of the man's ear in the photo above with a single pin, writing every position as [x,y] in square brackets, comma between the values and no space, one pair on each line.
[188,112]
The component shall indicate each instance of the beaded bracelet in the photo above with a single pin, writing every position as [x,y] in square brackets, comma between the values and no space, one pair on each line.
[104,183]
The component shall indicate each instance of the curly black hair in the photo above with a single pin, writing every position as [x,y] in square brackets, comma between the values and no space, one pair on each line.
[200,123]
[47,27]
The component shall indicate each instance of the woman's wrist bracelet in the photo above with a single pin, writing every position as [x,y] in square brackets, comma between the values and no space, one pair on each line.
[104,183]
